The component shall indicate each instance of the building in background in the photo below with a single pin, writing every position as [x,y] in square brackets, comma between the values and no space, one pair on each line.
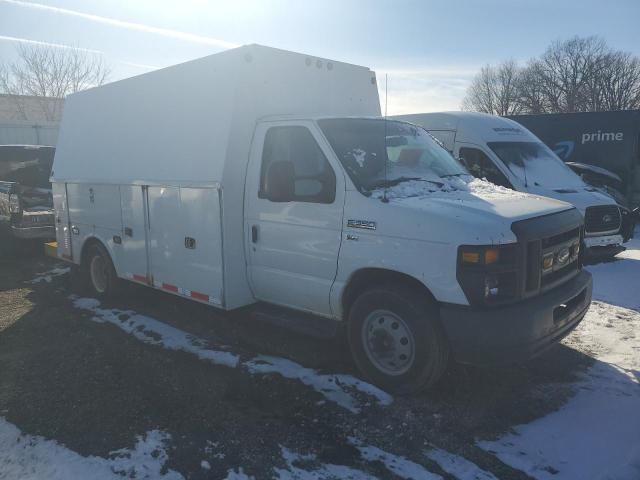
[29,120]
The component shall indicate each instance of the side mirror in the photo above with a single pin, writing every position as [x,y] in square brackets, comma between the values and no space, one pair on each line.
[280,182]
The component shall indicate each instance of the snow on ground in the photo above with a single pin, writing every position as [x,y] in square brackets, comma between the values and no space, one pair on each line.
[459,467]
[50,274]
[618,282]
[30,457]
[238,475]
[306,467]
[398,465]
[149,330]
[338,388]
[596,435]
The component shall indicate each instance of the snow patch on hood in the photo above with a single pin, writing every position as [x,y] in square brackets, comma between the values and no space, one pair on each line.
[456,188]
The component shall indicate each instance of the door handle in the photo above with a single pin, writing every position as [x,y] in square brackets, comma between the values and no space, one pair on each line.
[254,233]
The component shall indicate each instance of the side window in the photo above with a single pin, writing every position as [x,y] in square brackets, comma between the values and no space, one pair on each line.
[294,168]
[481,166]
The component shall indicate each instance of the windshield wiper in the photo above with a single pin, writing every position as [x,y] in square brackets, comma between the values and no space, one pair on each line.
[391,183]
[453,175]
[396,181]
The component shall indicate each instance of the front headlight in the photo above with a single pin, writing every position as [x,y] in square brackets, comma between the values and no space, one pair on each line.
[488,273]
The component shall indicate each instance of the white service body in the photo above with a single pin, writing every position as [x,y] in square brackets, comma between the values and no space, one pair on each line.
[465,134]
[164,170]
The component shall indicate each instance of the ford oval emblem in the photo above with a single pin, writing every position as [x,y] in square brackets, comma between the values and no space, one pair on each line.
[607,218]
[563,255]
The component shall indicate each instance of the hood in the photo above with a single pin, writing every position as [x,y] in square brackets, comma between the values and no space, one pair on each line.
[471,197]
[581,198]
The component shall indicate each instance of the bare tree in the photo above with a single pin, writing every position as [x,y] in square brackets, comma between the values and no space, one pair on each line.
[575,75]
[494,90]
[618,87]
[530,89]
[567,68]
[50,72]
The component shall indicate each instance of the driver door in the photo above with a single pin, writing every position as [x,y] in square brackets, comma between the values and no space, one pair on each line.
[293,239]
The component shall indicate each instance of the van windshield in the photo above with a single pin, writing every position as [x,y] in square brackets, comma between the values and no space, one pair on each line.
[366,146]
[535,164]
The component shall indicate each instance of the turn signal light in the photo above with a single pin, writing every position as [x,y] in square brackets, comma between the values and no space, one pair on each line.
[491,255]
[470,257]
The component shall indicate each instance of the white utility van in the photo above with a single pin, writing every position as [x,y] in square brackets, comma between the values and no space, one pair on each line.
[506,153]
[259,176]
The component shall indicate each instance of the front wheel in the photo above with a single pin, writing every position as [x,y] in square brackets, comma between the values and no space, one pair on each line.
[396,339]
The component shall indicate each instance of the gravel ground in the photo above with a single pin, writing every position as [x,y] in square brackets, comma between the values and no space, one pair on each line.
[94,388]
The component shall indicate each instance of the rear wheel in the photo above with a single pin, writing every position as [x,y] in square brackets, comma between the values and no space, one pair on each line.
[100,273]
[396,339]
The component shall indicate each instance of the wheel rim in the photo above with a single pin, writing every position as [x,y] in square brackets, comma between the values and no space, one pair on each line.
[99,274]
[388,342]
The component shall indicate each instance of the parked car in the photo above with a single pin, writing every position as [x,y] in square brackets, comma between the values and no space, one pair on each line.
[283,186]
[26,203]
[507,154]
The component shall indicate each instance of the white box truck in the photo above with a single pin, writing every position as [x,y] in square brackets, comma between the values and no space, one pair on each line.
[263,176]
[507,154]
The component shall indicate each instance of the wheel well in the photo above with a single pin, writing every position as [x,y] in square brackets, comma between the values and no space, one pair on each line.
[369,277]
[87,245]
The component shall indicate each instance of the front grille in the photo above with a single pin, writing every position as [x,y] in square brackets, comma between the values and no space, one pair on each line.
[537,279]
[602,218]
[555,234]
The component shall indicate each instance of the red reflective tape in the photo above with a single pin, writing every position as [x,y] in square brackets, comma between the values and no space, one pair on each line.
[200,296]
[171,288]
[140,278]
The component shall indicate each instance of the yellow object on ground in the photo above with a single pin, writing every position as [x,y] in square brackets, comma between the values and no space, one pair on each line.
[51,249]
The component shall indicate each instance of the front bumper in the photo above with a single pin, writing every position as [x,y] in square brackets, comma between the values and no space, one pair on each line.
[41,231]
[605,246]
[516,332]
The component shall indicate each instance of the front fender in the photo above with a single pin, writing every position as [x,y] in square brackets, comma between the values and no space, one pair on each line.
[431,263]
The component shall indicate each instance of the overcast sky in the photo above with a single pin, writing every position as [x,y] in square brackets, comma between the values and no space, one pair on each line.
[430,48]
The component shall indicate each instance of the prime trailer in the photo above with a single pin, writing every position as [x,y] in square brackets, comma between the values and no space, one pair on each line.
[610,140]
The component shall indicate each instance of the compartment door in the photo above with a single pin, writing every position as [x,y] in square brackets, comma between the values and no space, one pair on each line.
[133,258]
[63,230]
[185,247]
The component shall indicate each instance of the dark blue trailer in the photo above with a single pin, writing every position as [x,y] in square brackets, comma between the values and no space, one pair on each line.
[609,140]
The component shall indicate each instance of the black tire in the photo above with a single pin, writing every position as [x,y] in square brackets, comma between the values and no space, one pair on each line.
[98,272]
[428,350]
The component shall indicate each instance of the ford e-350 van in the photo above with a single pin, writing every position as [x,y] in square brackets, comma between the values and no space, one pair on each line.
[507,154]
[284,186]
